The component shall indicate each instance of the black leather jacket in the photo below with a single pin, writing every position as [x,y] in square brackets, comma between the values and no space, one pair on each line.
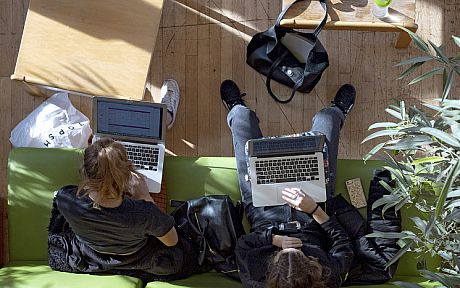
[339,244]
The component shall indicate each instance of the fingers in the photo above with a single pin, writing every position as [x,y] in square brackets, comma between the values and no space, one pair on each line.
[291,242]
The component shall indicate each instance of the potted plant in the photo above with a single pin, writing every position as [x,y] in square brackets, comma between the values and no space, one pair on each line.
[422,151]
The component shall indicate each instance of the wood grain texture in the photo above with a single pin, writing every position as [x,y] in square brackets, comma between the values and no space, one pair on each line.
[94,47]
[200,43]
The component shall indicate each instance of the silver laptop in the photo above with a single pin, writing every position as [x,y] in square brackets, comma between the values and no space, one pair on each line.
[140,127]
[286,162]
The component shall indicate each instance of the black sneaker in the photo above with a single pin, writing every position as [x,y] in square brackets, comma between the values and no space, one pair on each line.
[231,95]
[345,98]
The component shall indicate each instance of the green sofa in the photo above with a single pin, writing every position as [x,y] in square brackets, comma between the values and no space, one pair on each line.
[35,173]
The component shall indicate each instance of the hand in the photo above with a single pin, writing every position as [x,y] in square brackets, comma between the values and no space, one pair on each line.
[285,242]
[298,199]
[138,188]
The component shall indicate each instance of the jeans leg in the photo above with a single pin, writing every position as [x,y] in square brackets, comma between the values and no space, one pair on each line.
[244,125]
[328,121]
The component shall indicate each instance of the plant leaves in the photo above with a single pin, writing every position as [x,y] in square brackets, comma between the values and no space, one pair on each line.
[398,255]
[421,114]
[373,151]
[428,74]
[453,204]
[380,133]
[453,194]
[420,59]
[449,281]
[439,52]
[422,45]
[454,216]
[456,40]
[445,189]
[402,203]
[407,284]
[394,113]
[433,159]
[448,85]
[419,223]
[387,235]
[441,135]
[429,226]
[384,200]
[382,125]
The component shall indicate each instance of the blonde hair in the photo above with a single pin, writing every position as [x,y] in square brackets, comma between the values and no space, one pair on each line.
[291,268]
[105,170]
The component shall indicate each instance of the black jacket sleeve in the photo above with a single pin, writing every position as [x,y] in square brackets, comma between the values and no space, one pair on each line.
[341,252]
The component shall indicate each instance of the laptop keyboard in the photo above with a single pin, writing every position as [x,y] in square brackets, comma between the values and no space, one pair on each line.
[302,168]
[143,157]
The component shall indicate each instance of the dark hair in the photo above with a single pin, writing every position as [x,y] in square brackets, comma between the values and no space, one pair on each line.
[290,268]
[105,170]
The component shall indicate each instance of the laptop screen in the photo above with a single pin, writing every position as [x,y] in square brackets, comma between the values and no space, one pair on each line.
[129,119]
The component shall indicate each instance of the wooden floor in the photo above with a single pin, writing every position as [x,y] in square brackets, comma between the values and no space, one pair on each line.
[203,42]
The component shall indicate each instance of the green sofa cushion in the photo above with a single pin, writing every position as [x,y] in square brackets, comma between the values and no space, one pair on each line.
[35,173]
[39,275]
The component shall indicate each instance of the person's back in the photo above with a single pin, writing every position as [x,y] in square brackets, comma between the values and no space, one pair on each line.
[119,230]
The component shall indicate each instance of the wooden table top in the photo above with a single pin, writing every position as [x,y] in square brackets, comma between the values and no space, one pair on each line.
[96,47]
[400,11]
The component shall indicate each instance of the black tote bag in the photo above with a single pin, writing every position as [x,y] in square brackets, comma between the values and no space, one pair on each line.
[268,55]
[213,225]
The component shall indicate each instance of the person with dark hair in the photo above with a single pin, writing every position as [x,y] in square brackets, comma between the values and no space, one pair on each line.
[323,250]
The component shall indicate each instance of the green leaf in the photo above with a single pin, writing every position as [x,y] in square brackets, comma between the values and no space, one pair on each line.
[373,151]
[421,114]
[410,143]
[384,200]
[454,216]
[388,206]
[433,159]
[383,125]
[453,194]
[394,113]
[380,134]
[402,106]
[419,223]
[453,204]
[398,174]
[422,45]
[402,203]
[407,284]
[449,281]
[426,75]
[445,189]
[398,255]
[456,40]
[409,70]
[415,60]
[386,235]
[439,52]
[433,107]
[429,226]
[448,85]
[441,135]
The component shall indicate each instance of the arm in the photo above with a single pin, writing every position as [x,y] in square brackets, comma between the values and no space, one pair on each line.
[138,189]
[170,238]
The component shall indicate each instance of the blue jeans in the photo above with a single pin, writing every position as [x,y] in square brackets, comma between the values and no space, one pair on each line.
[244,125]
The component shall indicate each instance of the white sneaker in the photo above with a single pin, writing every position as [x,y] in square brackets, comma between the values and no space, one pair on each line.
[170,96]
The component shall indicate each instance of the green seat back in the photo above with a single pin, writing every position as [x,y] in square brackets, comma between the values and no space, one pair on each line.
[35,173]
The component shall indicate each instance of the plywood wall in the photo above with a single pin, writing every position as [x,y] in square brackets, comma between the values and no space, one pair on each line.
[202,42]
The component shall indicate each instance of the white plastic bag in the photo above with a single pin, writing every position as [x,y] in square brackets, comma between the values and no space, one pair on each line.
[54,124]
